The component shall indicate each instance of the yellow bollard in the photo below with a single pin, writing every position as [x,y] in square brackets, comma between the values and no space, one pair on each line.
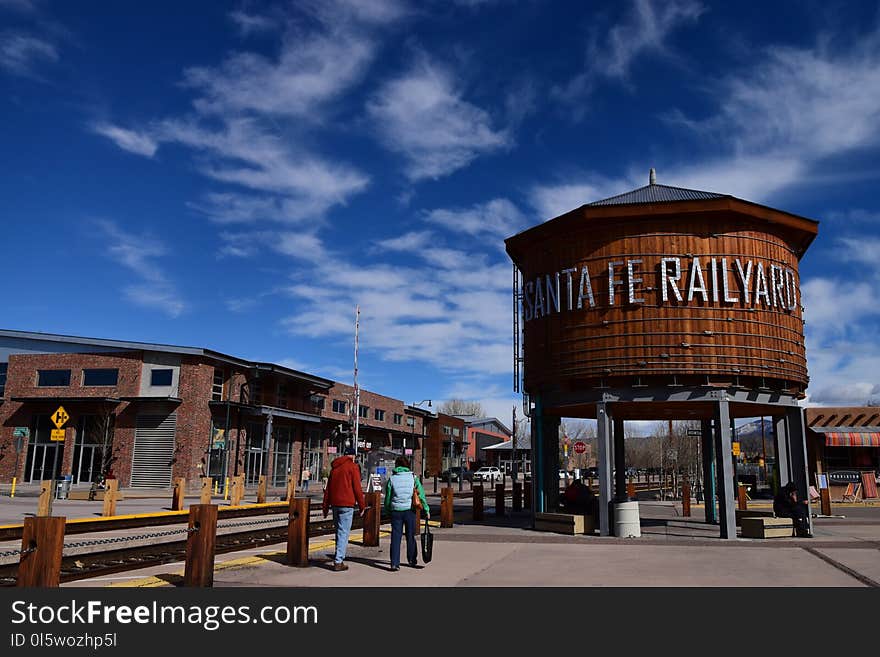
[12,494]
[226,489]
[216,486]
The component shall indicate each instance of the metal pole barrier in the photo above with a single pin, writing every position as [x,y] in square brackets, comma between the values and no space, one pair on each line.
[499,500]
[177,502]
[207,490]
[298,532]
[110,498]
[199,569]
[446,507]
[686,499]
[42,540]
[478,502]
[226,489]
[371,519]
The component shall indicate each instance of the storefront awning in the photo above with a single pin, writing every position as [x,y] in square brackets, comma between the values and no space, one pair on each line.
[845,438]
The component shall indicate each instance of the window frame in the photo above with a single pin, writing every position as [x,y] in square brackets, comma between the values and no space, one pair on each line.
[379,414]
[339,406]
[364,412]
[397,419]
[52,385]
[154,370]
[215,394]
[86,384]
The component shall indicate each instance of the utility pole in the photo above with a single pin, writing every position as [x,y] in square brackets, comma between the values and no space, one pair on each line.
[357,392]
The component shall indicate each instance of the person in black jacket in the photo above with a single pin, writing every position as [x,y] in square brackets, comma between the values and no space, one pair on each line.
[786,505]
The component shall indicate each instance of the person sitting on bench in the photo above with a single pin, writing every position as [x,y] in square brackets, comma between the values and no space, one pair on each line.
[786,505]
[579,498]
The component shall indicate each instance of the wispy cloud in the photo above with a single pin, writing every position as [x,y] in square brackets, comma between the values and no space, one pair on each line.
[553,199]
[423,116]
[138,254]
[25,6]
[248,23]
[645,29]
[128,140]
[497,218]
[21,53]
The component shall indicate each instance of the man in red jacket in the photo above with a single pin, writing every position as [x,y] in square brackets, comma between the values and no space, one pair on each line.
[343,493]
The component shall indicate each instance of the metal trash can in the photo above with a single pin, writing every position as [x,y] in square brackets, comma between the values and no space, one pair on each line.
[63,488]
[626,520]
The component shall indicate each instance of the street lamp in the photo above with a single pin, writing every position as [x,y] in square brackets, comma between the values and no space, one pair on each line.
[412,429]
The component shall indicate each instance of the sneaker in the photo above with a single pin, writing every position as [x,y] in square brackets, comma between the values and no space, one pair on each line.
[416,566]
[394,569]
[337,567]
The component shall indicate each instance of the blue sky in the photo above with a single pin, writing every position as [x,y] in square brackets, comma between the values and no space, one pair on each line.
[239,175]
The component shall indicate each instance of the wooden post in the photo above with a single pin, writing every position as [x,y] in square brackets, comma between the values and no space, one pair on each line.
[298,532]
[825,495]
[291,487]
[686,499]
[517,496]
[478,501]
[499,500]
[418,513]
[177,494]
[371,519]
[110,498]
[446,507]
[527,494]
[261,490]
[42,567]
[207,490]
[741,498]
[237,490]
[44,503]
[631,490]
[199,569]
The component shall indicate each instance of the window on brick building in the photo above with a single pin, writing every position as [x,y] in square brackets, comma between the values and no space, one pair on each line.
[379,415]
[161,377]
[256,393]
[446,430]
[398,418]
[3,367]
[364,411]
[53,378]
[281,396]
[338,406]
[217,386]
[101,377]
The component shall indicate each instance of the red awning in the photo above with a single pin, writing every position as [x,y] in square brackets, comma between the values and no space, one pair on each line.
[852,439]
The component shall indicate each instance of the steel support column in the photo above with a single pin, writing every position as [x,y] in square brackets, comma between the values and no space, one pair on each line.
[619,462]
[537,456]
[724,465]
[603,438]
[550,462]
[796,441]
[783,469]
[708,451]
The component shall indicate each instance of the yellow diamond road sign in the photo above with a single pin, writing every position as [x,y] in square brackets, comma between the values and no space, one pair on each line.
[57,435]
[60,417]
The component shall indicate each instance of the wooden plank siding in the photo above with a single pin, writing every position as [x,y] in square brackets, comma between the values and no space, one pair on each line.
[696,342]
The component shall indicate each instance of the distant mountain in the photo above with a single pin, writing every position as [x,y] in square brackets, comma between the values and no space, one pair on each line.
[749,437]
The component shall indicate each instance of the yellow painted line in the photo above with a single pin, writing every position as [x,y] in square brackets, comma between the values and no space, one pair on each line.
[153,581]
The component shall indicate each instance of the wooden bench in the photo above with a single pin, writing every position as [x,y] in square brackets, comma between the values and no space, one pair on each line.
[565,523]
[764,527]
[752,513]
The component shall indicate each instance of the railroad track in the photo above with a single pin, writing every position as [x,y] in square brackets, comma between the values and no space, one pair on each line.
[94,564]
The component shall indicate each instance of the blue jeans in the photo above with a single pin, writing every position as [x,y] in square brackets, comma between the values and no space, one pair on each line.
[342,517]
[401,520]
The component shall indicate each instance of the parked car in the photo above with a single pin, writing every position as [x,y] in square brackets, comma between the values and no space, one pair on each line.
[487,473]
[455,473]
[563,474]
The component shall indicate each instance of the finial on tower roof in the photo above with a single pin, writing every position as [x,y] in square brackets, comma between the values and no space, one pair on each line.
[652,177]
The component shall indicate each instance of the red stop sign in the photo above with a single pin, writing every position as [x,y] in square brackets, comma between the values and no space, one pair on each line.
[580,447]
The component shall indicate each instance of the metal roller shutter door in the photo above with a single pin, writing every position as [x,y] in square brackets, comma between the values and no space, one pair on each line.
[153,451]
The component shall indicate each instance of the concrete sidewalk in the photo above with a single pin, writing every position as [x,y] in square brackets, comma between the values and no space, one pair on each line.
[673,551]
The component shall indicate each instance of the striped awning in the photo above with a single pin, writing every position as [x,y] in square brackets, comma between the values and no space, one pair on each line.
[852,439]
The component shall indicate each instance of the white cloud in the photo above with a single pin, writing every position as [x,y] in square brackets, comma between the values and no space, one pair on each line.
[248,24]
[645,29]
[128,140]
[21,53]
[409,242]
[138,253]
[496,218]
[552,200]
[422,116]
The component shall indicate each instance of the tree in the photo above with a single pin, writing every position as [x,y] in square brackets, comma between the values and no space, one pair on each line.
[462,407]
[574,431]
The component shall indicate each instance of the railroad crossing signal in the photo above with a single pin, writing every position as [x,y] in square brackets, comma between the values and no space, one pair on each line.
[60,417]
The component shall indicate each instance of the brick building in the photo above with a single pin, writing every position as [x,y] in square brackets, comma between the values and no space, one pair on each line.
[152,412]
[481,433]
[443,445]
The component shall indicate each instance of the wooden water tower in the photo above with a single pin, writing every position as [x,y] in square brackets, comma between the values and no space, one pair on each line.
[663,303]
